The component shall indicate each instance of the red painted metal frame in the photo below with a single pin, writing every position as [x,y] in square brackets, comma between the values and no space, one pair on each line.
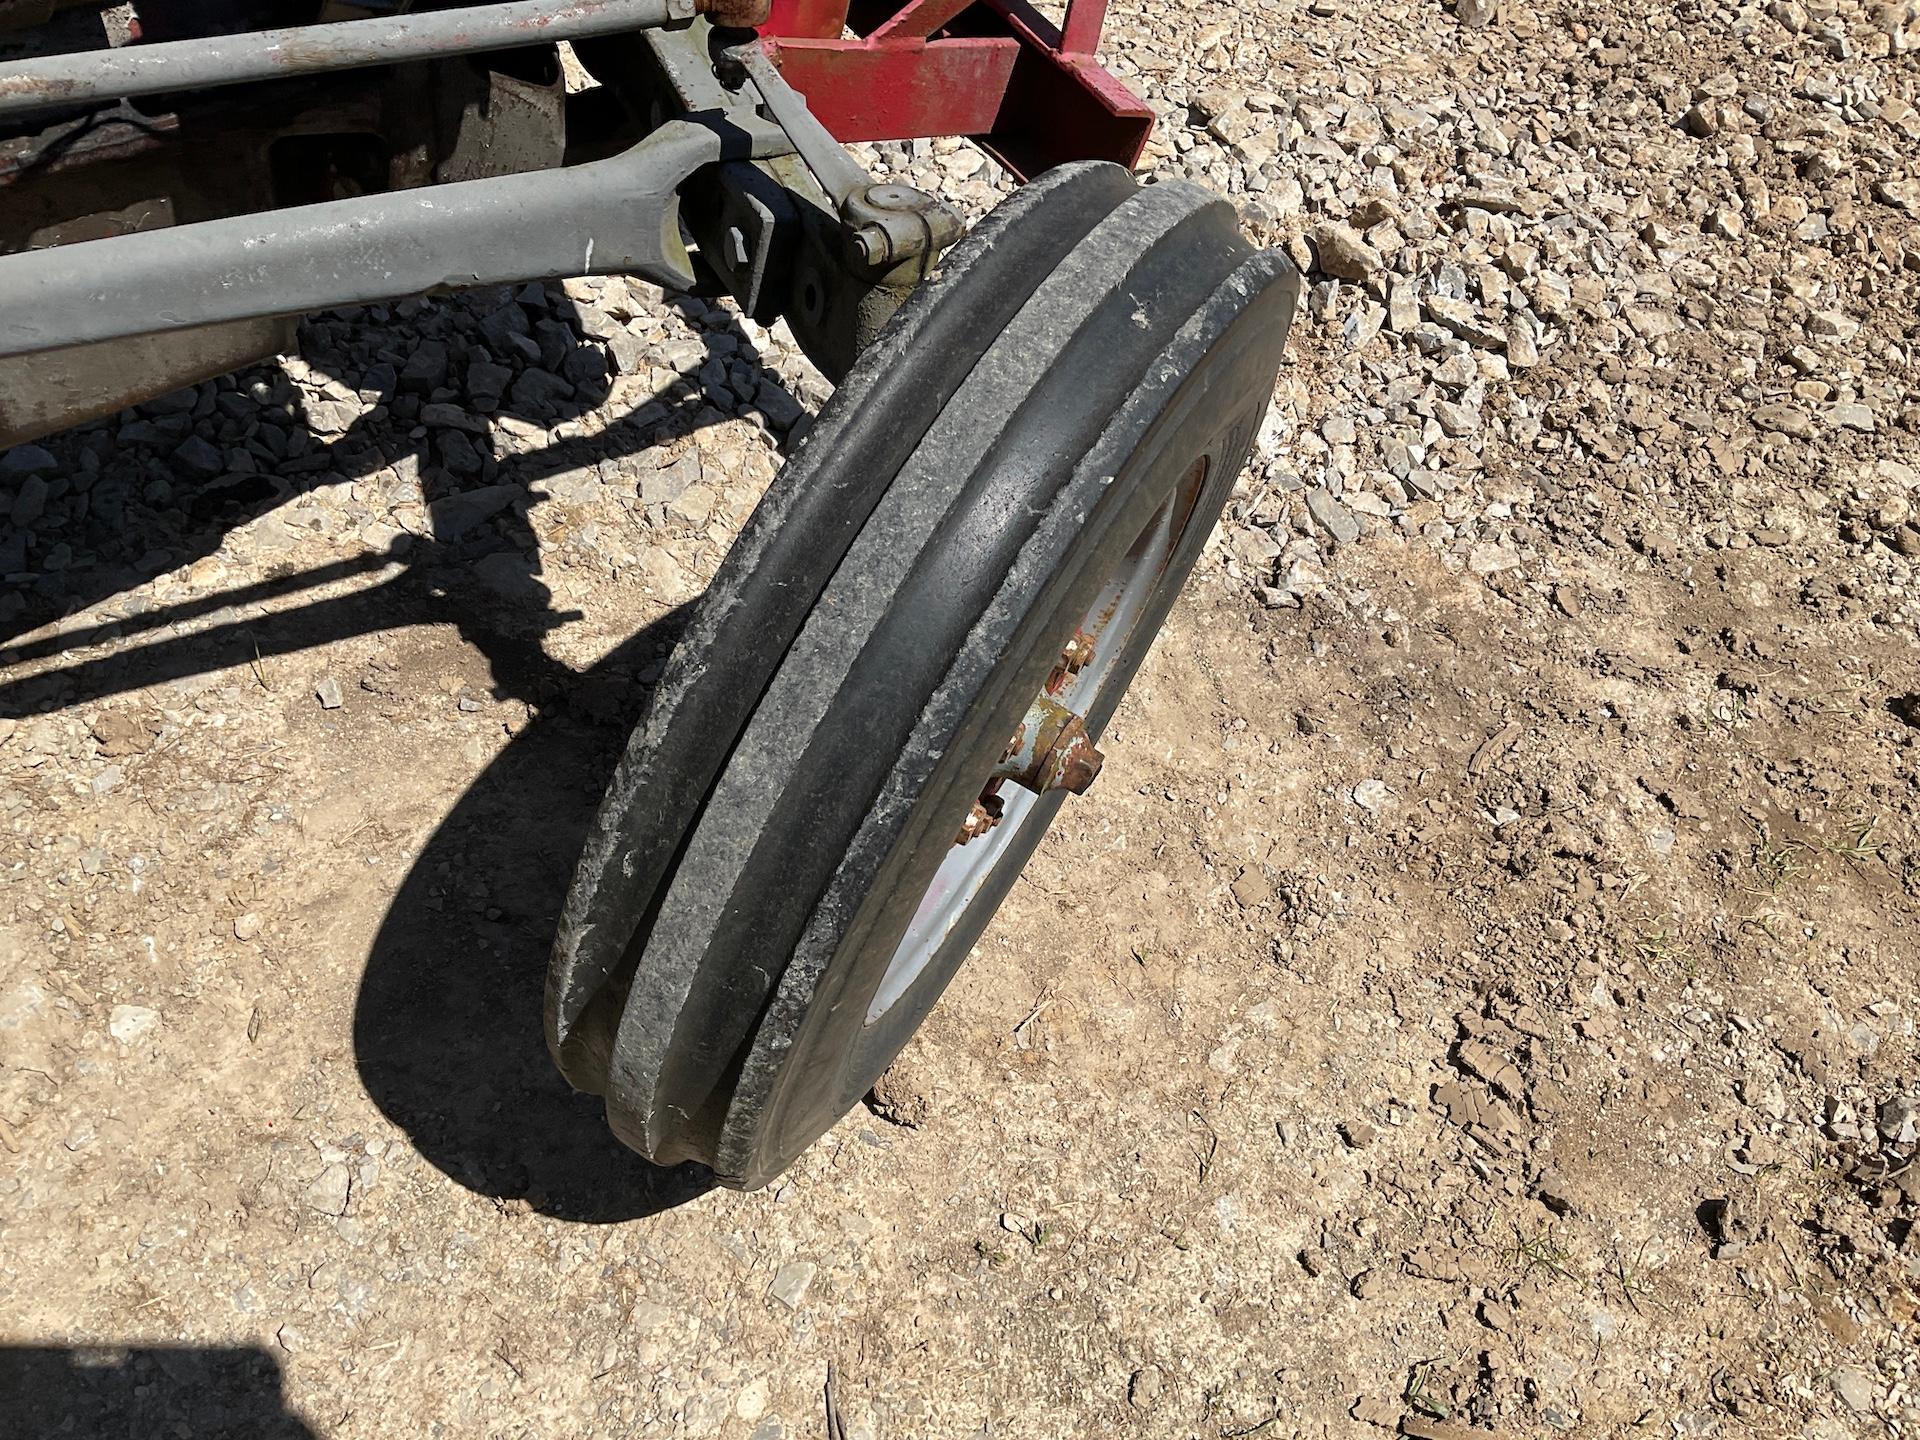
[1031,92]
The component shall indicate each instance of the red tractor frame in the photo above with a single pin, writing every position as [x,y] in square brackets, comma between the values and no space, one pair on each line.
[997,71]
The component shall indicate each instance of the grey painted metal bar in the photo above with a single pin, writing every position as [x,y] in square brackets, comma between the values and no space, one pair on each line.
[839,174]
[104,75]
[618,216]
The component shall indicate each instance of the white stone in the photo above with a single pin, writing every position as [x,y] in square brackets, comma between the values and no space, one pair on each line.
[129,1023]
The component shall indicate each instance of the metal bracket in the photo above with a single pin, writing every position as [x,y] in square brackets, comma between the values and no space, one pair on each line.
[889,226]
[896,229]
[772,231]
[1031,92]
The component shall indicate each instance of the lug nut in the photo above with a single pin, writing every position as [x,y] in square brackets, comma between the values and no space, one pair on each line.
[1073,763]
[1077,653]
[984,816]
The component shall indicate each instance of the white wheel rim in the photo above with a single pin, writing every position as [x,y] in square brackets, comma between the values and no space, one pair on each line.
[1111,620]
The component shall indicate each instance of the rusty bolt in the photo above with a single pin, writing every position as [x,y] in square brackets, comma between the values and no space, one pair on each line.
[984,816]
[1015,745]
[1072,762]
[1077,653]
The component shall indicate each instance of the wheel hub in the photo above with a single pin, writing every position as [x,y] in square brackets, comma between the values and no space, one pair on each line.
[1050,751]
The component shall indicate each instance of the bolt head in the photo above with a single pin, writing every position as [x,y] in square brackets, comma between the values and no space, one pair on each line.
[871,242]
[1074,763]
[985,814]
[1078,774]
[1077,653]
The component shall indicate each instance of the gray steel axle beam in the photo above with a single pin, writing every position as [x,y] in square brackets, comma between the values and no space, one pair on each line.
[104,75]
[618,216]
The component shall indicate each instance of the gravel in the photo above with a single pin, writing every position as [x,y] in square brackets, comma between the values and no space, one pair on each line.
[1511,980]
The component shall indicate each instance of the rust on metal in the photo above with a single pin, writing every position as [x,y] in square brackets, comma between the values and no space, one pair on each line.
[1014,745]
[1077,653]
[1075,656]
[736,14]
[1050,751]
[985,814]
[34,90]
[1072,763]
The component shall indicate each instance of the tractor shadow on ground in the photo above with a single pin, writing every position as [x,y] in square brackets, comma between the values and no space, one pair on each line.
[447,1029]
[117,544]
[447,1025]
[109,1389]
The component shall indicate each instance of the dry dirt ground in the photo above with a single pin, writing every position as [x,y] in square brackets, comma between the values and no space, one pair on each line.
[1479,995]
